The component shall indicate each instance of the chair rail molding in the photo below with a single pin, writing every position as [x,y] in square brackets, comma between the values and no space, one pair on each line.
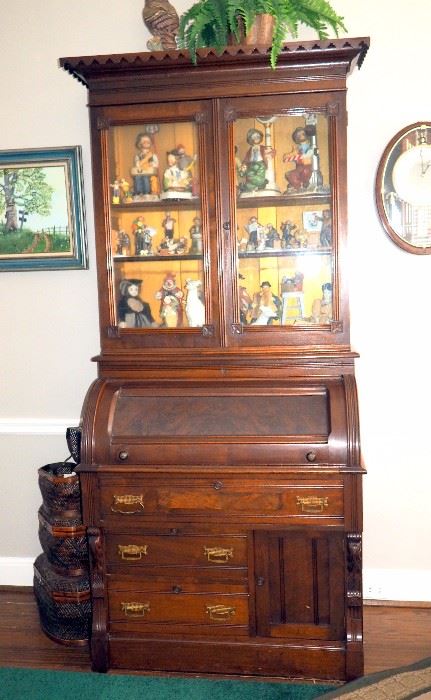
[36,426]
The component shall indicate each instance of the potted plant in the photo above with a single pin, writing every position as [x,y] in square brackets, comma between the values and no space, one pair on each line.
[213,23]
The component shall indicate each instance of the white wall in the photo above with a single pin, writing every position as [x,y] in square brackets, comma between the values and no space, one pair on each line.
[48,320]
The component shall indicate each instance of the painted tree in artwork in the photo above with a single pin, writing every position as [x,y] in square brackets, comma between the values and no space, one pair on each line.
[25,189]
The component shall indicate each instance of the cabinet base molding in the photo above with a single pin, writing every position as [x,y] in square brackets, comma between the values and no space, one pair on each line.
[323,662]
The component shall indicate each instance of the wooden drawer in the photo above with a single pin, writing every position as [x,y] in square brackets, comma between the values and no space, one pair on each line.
[209,550]
[176,582]
[132,500]
[187,608]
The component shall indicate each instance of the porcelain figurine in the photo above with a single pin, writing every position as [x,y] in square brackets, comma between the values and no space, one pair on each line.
[126,195]
[321,311]
[254,164]
[170,297]
[266,305]
[178,176]
[326,230]
[143,237]
[116,191]
[196,236]
[133,312]
[161,18]
[123,243]
[245,302]
[256,235]
[288,234]
[195,309]
[145,169]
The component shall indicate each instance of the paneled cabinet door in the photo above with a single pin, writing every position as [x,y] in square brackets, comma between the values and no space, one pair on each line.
[300,584]
[285,214]
[157,187]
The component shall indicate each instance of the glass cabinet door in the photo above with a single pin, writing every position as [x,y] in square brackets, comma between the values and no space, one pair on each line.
[282,206]
[159,226]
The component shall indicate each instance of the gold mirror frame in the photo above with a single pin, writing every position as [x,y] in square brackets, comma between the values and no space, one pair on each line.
[403,188]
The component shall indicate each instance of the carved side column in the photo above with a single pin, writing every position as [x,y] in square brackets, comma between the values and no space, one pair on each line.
[354,660]
[99,639]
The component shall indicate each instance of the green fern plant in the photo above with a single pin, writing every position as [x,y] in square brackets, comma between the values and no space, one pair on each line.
[204,24]
[210,23]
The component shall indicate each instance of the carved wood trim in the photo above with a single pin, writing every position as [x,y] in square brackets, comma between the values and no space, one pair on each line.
[354,624]
[208,331]
[353,440]
[230,115]
[103,123]
[99,641]
[333,109]
[336,326]
[88,413]
[201,118]
[113,332]
[354,569]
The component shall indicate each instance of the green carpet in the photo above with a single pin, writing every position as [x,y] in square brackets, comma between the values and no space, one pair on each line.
[28,684]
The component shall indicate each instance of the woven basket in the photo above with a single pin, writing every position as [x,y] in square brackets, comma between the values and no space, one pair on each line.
[63,602]
[73,439]
[59,486]
[64,542]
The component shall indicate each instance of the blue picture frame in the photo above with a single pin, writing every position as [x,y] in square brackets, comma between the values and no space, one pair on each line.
[42,211]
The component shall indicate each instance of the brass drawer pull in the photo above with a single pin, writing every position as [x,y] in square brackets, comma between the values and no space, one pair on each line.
[127,500]
[132,552]
[312,504]
[220,612]
[135,609]
[218,555]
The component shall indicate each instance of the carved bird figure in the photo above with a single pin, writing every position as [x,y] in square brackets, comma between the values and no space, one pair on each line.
[161,18]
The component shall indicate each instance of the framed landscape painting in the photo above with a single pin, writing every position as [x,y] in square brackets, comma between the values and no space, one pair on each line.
[42,215]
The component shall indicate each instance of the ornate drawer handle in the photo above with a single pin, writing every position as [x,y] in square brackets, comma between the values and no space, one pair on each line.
[312,504]
[135,609]
[220,612]
[218,555]
[132,552]
[127,500]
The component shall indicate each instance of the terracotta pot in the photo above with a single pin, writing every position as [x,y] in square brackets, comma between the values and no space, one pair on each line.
[261,31]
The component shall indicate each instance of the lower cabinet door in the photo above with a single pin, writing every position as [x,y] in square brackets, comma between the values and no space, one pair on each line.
[299,577]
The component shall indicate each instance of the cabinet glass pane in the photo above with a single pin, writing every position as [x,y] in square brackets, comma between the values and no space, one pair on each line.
[156,226]
[284,219]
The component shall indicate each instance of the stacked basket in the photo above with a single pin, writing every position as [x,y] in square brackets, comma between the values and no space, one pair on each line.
[61,581]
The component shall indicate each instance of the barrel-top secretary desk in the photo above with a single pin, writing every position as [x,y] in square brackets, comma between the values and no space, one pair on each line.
[220,458]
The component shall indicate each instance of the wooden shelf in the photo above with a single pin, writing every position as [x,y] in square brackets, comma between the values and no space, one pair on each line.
[154,258]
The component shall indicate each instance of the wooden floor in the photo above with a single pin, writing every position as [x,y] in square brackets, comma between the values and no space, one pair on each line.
[393,636]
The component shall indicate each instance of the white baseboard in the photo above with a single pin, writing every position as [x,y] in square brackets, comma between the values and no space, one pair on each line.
[34,426]
[16,571]
[408,585]
[404,585]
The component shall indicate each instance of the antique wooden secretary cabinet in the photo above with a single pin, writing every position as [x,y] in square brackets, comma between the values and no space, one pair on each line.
[220,464]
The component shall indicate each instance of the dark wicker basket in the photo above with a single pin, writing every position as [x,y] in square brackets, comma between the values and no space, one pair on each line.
[73,439]
[64,542]
[60,487]
[63,602]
